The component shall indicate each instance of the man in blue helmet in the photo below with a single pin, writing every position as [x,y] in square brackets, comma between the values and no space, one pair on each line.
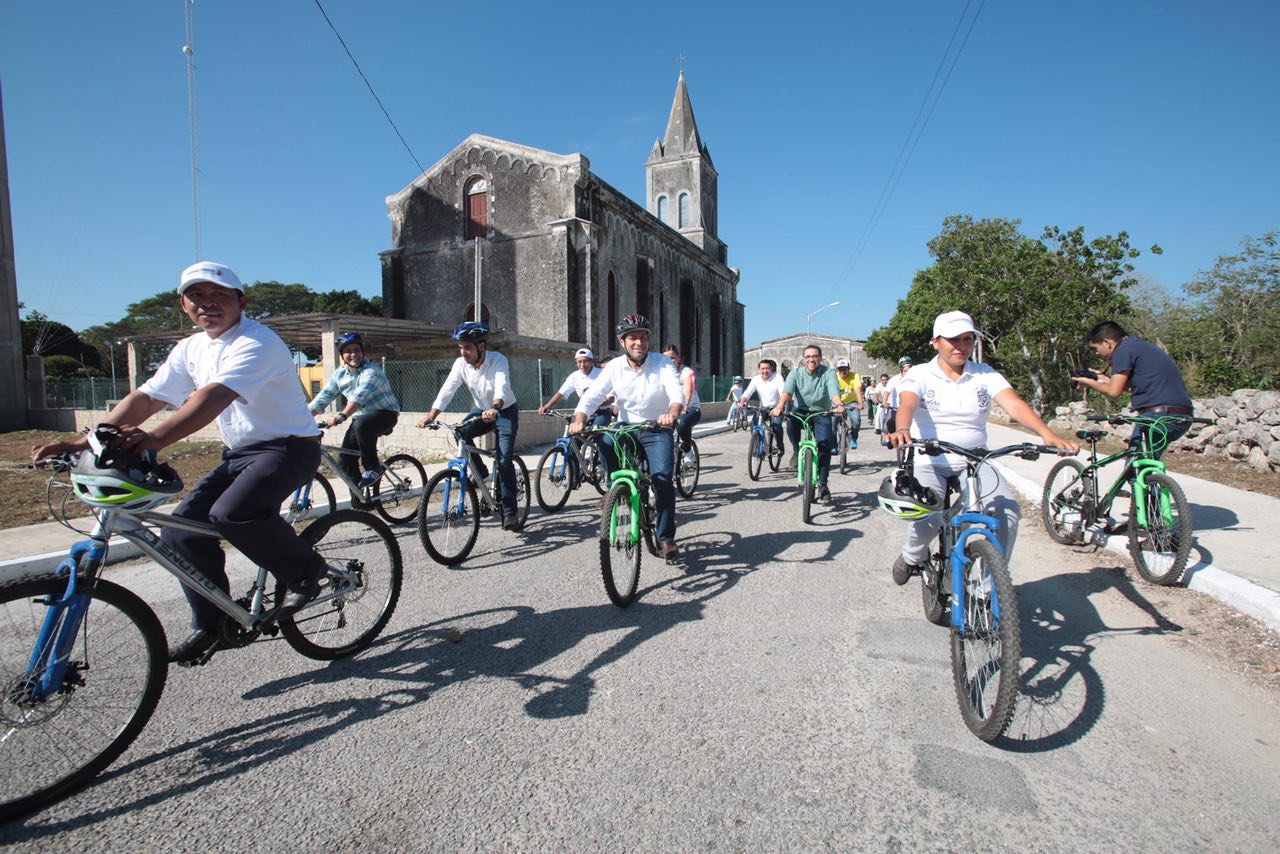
[487,375]
[371,406]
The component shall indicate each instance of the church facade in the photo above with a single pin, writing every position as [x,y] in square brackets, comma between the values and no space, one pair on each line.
[562,255]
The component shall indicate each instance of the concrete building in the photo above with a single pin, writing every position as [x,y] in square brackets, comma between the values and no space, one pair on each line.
[787,351]
[562,254]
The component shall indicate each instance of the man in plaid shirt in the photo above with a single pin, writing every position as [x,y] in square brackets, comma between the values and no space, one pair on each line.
[371,405]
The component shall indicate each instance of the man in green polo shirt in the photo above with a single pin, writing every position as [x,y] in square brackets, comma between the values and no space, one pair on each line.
[814,389]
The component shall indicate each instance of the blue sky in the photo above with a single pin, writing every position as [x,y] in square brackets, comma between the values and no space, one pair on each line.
[1147,117]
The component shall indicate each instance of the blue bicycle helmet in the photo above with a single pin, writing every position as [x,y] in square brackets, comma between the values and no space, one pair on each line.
[471,331]
[349,338]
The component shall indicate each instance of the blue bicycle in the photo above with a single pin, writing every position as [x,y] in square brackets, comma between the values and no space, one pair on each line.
[565,466]
[763,443]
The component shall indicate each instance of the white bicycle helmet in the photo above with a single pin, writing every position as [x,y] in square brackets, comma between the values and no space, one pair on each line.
[903,496]
[134,484]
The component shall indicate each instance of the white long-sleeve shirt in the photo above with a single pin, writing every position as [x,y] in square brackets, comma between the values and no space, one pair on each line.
[642,395]
[489,382]
[770,390]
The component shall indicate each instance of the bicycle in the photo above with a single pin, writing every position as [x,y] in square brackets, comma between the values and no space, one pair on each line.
[807,460]
[739,419]
[762,444]
[395,495]
[967,586]
[1160,527]
[83,660]
[628,512]
[457,498]
[564,467]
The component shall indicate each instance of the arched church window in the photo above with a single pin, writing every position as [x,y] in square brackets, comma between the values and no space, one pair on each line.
[477,207]
[471,313]
[662,208]
[684,210]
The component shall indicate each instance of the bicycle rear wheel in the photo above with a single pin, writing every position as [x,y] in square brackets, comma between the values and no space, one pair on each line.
[934,597]
[842,442]
[1062,504]
[806,488]
[309,501]
[985,659]
[398,493]
[365,561]
[522,489]
[755,455]
[774,451]
[620,548]
[592,468]
[117,668]
[687,471]
[449,518]
[1161,549]
[553,479]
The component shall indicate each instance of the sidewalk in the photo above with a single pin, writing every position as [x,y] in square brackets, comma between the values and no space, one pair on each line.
[1234,559]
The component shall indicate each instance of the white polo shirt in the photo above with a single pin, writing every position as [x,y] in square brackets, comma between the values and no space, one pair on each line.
[695,402]
[769,391]
[487,383]
[953,410]
[252,361]
[892,389]
[642,395]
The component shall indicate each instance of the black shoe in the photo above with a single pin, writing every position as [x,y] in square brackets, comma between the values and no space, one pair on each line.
[299,592]
[511,522]
[824,494]
[200,644]
[902,571]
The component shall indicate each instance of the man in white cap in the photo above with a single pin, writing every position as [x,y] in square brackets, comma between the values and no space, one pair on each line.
[851,396]
[238,372]
[949,398]
[577,383]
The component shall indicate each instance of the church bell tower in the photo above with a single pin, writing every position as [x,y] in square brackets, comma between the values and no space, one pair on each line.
[680,181]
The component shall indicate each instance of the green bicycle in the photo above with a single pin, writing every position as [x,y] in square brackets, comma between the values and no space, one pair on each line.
[1160,531]
[807,460]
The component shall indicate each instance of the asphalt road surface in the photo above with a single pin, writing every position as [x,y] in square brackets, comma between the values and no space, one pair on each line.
[777,693]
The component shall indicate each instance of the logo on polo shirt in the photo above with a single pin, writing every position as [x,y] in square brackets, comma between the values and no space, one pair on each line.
[984,397]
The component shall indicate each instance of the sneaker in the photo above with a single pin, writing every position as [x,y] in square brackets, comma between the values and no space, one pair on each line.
[687,458]
[369,478]
[853,444]
[902,571]
[824,494]
[199,645]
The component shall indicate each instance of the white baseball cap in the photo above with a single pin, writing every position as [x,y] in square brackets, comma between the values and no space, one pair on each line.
[952,324]
[585,353]
[213,273]
[842,363]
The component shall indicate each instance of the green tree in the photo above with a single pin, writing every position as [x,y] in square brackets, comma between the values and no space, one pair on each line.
[348,302]
[44,337]
[273,299]
[61,368]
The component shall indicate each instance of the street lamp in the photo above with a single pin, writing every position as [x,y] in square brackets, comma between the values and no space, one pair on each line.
[111,347]
[808,325]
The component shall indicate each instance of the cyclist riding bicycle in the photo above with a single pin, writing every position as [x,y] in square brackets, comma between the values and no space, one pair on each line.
[646,387]
[814,388]
[577,383]
[692,402]
[949,398]
[889,395]
[371,406]
[735,395]
[851,396]
[239,372]
[487,375]
[767,386]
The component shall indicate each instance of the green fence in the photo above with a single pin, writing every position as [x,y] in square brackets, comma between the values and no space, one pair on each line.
[88,393]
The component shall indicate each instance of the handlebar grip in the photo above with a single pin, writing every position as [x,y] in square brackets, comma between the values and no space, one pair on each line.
[1098,418]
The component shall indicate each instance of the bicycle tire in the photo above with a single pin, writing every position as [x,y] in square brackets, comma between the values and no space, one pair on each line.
[448,533]
[985,661]
[619,553]
[319,501]
[399,491]
[687,473]
[842,439]
[122,673]
[365,547]
[522,489]
[775,453]
[755,455]
[592,470]
[1064,486]
[806,487]
[934,600]
[1160,551]
[552,490]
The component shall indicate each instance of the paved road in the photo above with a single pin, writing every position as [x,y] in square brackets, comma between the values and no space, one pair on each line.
[780,693]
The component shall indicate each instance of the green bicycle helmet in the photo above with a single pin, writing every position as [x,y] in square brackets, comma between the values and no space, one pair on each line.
[133,484]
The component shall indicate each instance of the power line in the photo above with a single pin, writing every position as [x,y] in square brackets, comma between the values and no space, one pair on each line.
[370,85]
[896,172]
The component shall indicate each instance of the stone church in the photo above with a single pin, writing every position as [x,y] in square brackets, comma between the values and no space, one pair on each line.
[562,254]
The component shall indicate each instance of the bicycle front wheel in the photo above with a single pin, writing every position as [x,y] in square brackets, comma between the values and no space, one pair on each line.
[985,657]
[553,480]
[688,470]
[806,488]
[1161,549]
[398,493]
[775,452]
[755,455]
[365,571]
[842,441]
[449,518]
[620,546]
[309,501]
[1062,504]
[116,670]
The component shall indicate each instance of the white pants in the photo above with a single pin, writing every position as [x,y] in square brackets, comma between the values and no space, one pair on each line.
[997,502]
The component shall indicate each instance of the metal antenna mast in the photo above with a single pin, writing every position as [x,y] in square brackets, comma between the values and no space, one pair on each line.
[189,49]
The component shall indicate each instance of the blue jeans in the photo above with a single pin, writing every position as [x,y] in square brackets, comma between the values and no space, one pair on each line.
[659,450]
[854,414]
[775,425]
[822,433]
[506,424]
[685,424]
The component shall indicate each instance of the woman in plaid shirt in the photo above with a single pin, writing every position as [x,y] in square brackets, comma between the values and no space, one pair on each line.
[371,406]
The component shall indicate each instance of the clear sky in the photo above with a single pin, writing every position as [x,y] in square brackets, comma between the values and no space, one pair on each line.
[1157,118]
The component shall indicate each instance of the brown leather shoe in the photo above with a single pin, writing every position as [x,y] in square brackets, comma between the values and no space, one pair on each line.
[670,551]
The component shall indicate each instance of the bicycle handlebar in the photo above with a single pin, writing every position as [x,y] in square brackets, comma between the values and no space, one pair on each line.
[1121,418]
[1026,450]
[642,427]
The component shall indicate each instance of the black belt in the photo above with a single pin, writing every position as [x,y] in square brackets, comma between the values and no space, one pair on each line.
[1166,410]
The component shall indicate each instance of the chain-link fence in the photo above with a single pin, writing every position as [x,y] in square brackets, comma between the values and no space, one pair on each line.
[88,393]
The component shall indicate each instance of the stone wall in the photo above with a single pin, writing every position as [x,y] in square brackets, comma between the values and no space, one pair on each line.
[1247,429]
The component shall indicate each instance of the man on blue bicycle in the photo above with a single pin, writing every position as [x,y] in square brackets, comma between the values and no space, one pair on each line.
[767,387]
[371,406]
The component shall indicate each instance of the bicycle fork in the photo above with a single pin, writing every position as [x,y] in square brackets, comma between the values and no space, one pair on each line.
[1142,470]
[812,445]
[47,667]
[983,526]
[630,478]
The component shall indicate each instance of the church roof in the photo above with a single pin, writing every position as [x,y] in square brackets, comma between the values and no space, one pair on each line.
[682,136]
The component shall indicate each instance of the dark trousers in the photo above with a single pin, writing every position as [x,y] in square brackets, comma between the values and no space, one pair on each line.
[1161,438]
[242,498]
[826,440]
[684,426]
[362,436]
[775,425]
[507,424]
[659,449]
